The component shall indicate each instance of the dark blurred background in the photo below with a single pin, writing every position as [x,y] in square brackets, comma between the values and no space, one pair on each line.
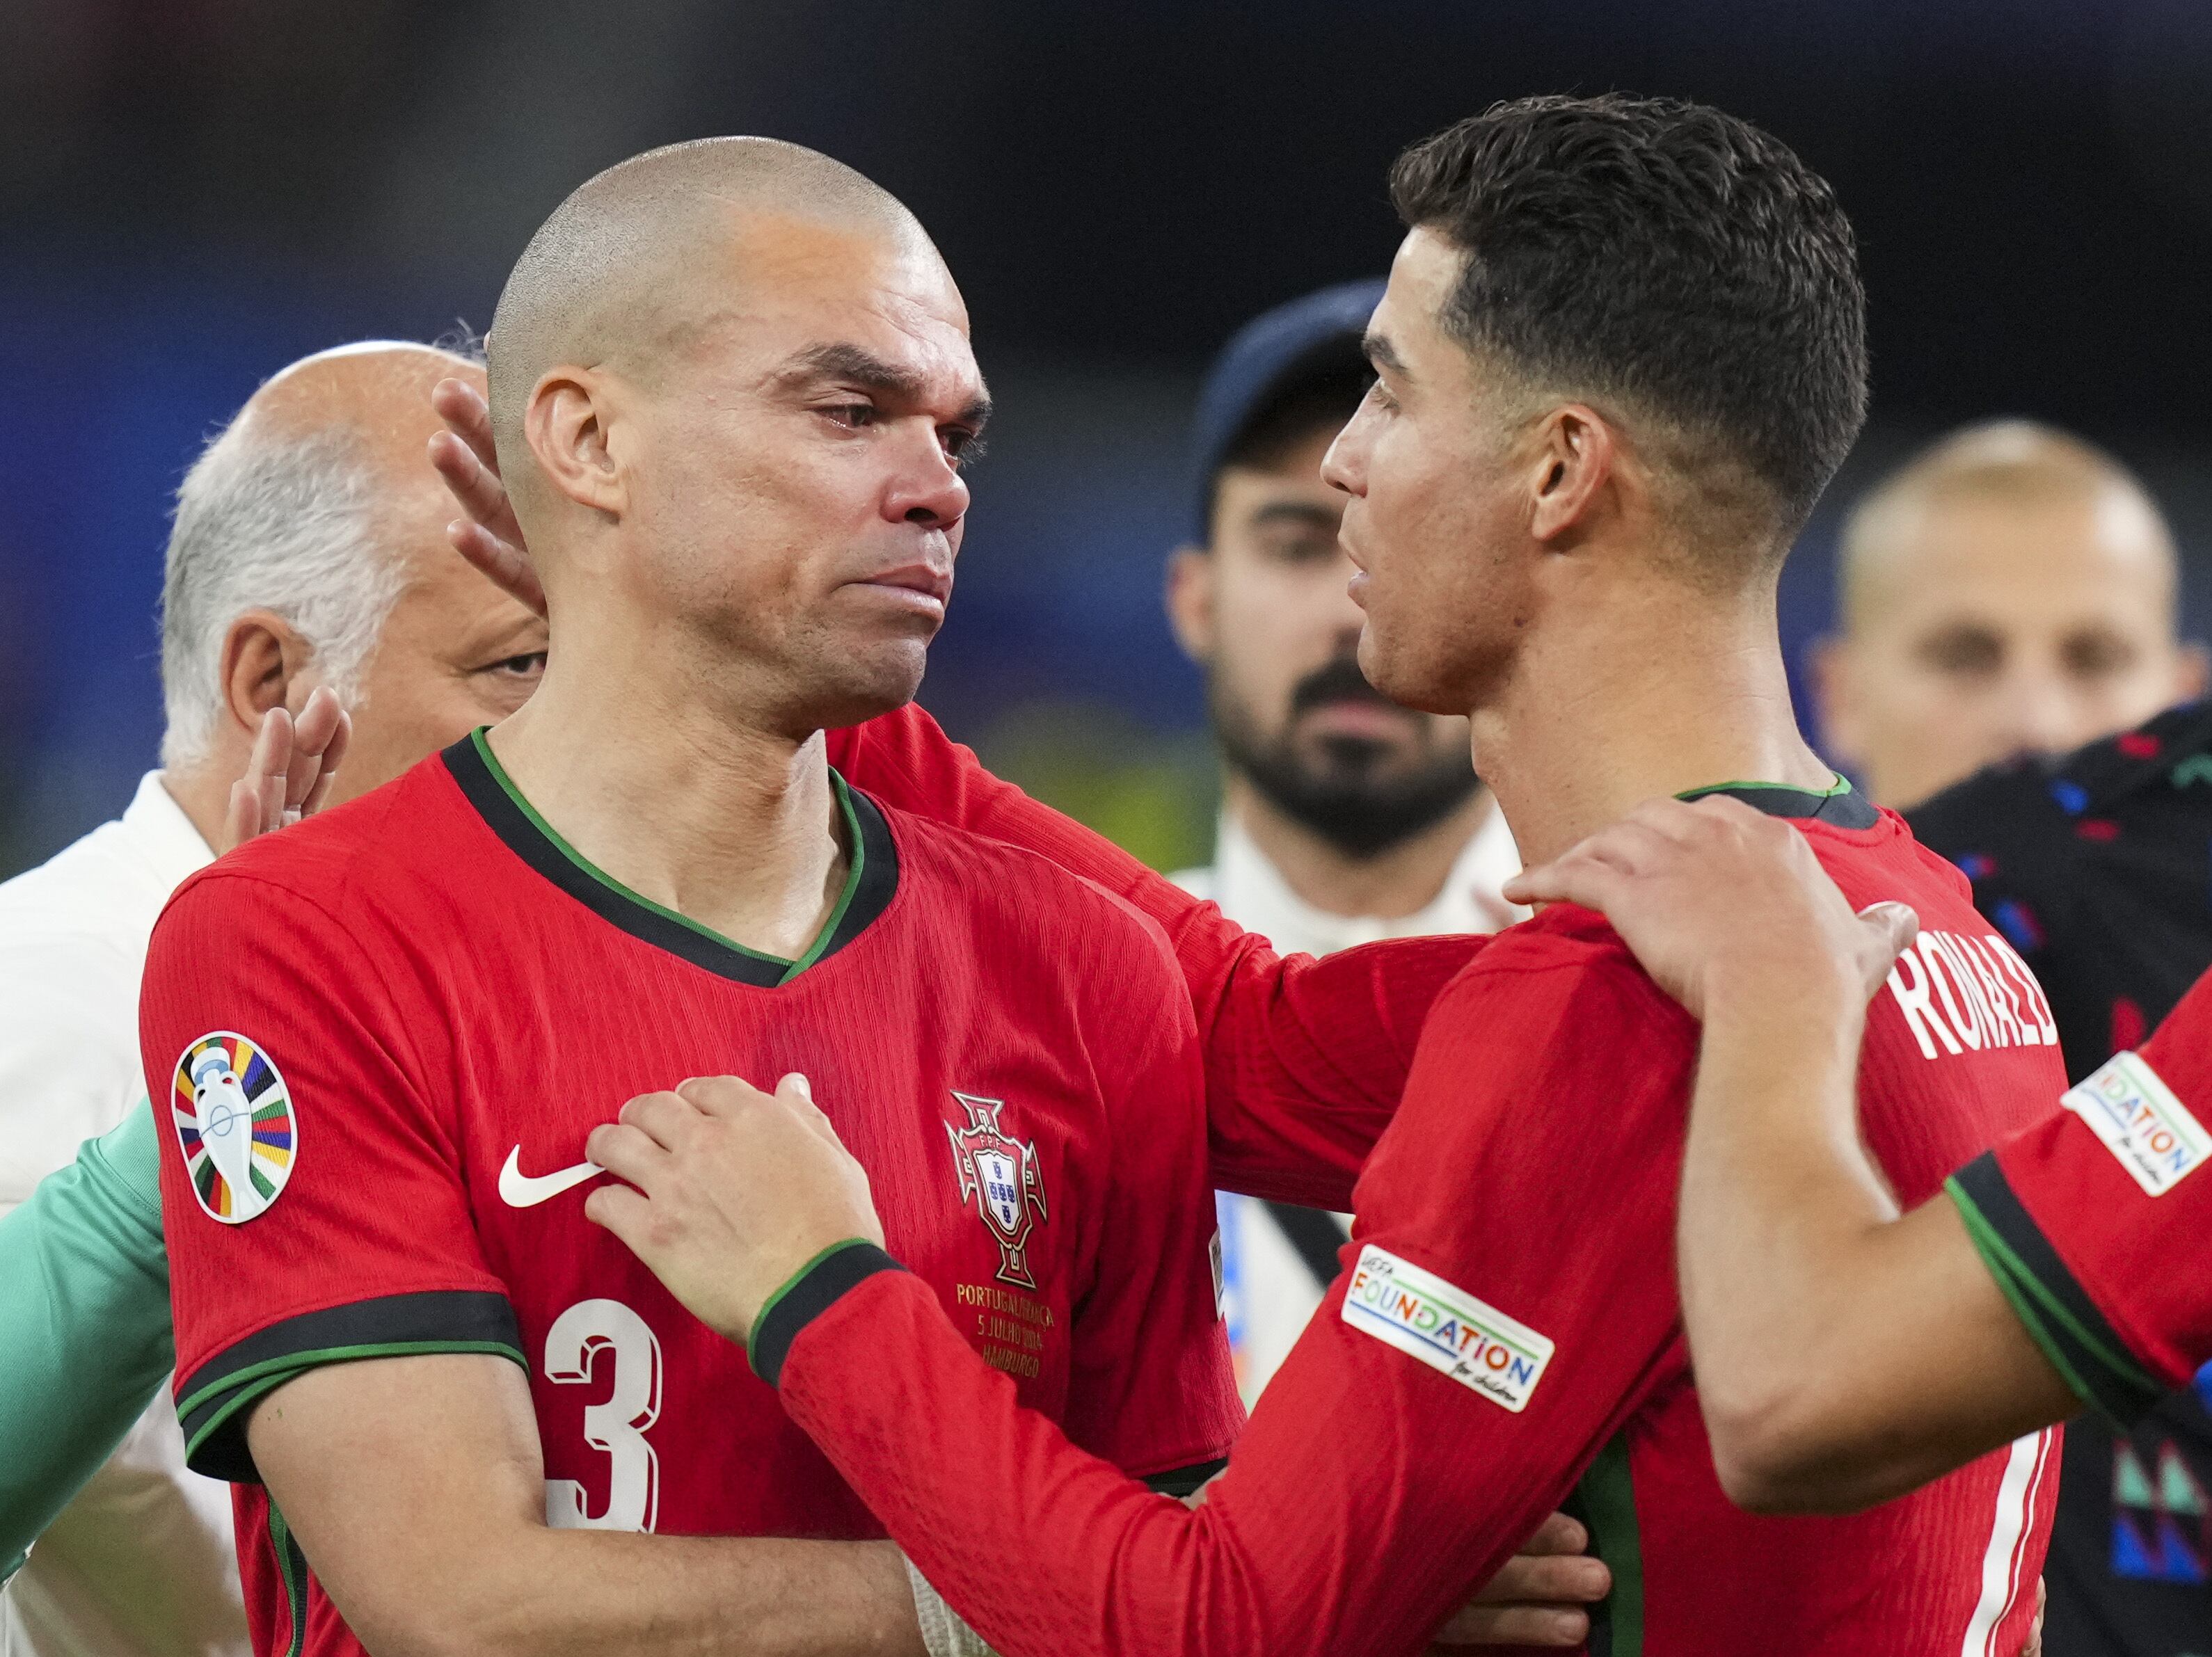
[192,192]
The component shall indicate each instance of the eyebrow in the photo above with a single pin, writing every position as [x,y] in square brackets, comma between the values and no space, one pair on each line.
[855,365]
[1382,354]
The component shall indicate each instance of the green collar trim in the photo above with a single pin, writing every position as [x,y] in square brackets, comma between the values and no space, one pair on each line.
[870,877]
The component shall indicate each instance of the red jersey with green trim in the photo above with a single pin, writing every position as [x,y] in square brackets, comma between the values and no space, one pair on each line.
[1505,1337]
[378,1041]
[2095,1220]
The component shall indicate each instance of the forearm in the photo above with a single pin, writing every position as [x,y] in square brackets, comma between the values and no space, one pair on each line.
[84,1326]
[416,1487]
[554,1592]
[1843,1356]
[1049,1551]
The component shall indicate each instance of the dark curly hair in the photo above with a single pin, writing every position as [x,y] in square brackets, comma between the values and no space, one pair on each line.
[1664,254]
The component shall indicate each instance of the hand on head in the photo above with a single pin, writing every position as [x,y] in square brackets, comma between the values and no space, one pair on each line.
[289,773]
[730,1191]
[466,458]
[1712,891]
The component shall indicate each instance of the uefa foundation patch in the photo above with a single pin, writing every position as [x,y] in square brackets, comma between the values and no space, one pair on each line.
[2141,1122]
[234,1124]
[1445,1327]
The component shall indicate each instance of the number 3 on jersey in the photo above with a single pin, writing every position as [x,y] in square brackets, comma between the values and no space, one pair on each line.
[616,1426]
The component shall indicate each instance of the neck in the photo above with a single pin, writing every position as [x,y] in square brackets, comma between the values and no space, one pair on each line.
[1636,694]
[678,796]
[1399,881]
[202,791]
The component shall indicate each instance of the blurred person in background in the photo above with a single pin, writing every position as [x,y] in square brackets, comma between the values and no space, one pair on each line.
[307,558]
[2010,590]
[2010,594]
[1345,818]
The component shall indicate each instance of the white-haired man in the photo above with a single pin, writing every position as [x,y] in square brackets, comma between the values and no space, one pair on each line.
[307,555]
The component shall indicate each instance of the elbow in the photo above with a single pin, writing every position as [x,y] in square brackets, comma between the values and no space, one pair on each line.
[1789,1449]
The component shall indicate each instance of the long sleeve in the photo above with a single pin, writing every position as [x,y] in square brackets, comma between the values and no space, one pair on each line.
[84,1324]
[1305,1059]
[1420,1429]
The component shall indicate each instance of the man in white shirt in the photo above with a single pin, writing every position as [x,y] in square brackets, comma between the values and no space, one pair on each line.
[1345,818]
[308,550]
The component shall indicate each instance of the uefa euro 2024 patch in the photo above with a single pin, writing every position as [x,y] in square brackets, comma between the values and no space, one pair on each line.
[1445,1327]
[2141,1122]
[234,1124]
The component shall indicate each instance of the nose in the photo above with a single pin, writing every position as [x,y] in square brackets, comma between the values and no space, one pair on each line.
[1345,466]
[2042,713]
[928,489]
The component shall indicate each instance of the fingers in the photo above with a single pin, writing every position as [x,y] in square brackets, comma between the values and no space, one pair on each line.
[621,1209]
[472,476]
[665,1118]
[241,818]
[1560,1534]
[1588,875]
[797,1093]
[465,411]
[1886,930]
[627,1152]
[311,731]
[1556,1579]
[333,752]
[269,766]
[505,566]
[1544,1626]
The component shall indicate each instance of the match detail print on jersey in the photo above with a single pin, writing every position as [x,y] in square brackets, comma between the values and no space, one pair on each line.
[2141,1122]
[1446,1328]
[234,1126]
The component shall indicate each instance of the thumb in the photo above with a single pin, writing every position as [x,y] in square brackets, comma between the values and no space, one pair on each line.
[1886,930]
[796,1090]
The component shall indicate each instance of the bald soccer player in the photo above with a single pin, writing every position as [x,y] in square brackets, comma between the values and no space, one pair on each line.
[731,385]
[2012,589]
[306,558]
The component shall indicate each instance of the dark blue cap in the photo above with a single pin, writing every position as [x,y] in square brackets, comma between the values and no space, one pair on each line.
[1268,356]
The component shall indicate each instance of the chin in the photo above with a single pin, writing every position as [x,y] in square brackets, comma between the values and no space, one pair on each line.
[1404,677]
[868,684]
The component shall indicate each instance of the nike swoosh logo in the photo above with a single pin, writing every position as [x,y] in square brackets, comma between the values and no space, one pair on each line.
[520,1190]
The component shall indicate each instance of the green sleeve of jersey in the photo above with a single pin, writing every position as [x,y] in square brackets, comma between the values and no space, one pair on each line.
[85,1338]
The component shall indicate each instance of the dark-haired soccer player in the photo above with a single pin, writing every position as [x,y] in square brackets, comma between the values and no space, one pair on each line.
[1846,1353]
[1620,353]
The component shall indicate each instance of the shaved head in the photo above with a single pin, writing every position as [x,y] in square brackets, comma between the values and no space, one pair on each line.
[2011,589]
[2017,467]
[613,277]
[732,389]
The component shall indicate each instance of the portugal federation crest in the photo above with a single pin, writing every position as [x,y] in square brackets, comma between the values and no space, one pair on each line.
[234,1124]
[1001,1174]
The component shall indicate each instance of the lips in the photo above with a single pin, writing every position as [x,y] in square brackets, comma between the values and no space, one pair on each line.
[929,582]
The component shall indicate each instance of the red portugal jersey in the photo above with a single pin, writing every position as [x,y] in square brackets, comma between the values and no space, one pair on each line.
[2096,1223]
[1505,1338]
[377,1043]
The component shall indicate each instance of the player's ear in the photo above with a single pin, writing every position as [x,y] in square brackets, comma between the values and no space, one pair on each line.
[264,661]
[1574,459]
[568,425]
[1190,601]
